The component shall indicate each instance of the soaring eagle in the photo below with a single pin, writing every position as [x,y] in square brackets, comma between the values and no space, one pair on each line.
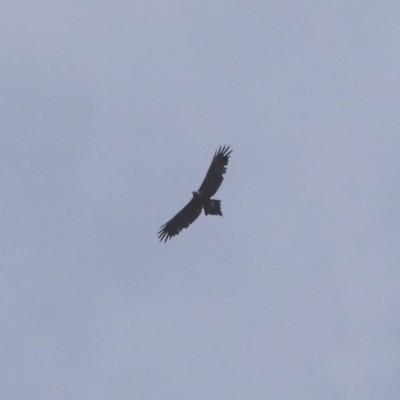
[201,198]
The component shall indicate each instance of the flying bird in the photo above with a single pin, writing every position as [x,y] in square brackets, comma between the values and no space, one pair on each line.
[201,198]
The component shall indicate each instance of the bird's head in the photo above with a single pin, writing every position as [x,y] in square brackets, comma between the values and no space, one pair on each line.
[196,193]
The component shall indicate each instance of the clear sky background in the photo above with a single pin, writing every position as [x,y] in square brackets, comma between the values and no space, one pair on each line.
[110,114]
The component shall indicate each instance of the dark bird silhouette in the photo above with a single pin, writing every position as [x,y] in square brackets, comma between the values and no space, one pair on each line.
[201,198]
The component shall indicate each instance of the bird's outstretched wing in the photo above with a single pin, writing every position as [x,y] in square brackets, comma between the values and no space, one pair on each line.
[217,169]
[182,220]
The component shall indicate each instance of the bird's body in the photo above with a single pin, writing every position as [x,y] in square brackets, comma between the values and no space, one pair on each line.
[201,198]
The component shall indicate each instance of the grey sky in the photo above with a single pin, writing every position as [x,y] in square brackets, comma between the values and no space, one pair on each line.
[111,112]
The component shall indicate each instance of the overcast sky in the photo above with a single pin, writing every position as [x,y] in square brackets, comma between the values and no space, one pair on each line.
[110,115]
